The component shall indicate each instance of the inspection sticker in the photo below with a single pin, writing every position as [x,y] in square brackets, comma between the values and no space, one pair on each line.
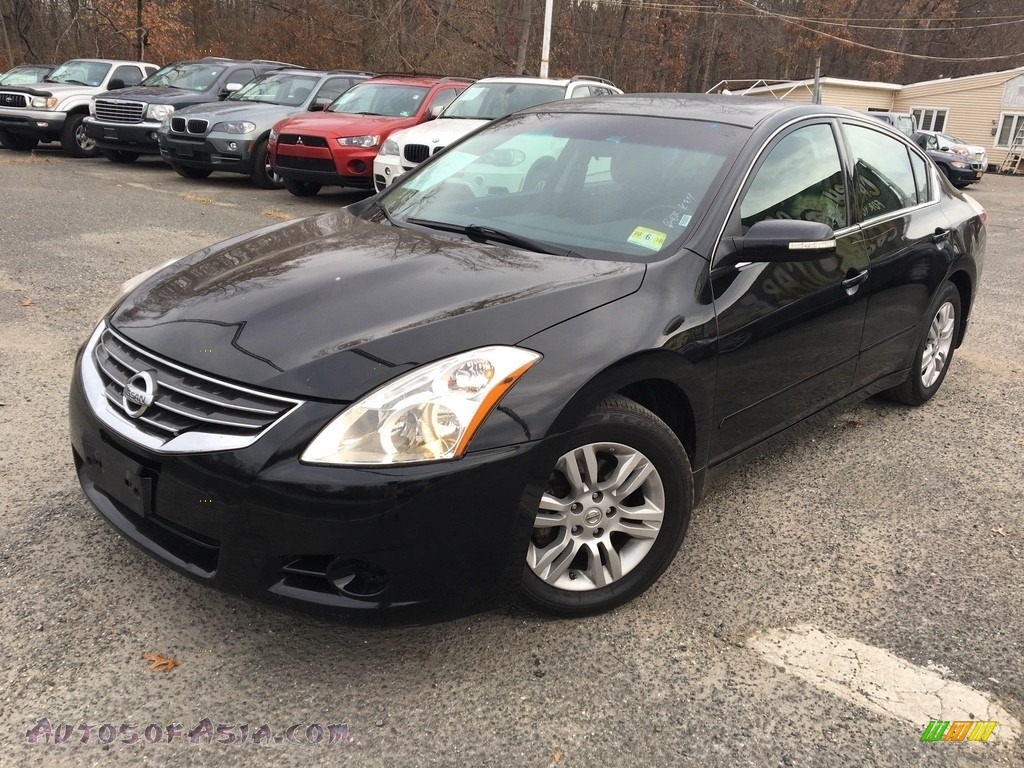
[647,238]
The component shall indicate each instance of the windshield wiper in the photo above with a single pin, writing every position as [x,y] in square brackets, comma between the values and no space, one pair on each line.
[481,234]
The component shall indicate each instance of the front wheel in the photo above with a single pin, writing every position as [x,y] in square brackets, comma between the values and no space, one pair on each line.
[301,188]
[613,513]
[934,349]
[119,155]
[74,140]
[263,175]
[190,172]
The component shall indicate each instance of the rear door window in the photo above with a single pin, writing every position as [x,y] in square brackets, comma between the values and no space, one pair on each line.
[884,177]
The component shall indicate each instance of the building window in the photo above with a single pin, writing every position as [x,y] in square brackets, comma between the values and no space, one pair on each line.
[929,119]
[1011,127]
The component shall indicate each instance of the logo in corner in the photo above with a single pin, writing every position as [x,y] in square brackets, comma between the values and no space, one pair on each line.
[139,393]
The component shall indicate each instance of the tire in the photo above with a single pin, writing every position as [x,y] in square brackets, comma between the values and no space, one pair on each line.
[18,141]
[934,349]
[262,174]
[592,548]
[74,140]
[539,174]
[301,188]
[119,155]
[191,172]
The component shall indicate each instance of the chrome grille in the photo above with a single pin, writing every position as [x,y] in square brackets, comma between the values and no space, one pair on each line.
[117,111]
[18,100]
[416,153]
[185,400]
[194,126]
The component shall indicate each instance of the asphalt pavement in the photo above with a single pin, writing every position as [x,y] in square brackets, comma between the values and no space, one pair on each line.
[823,594]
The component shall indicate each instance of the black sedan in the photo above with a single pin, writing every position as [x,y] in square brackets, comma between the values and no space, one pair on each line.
[956,163]
[511,374]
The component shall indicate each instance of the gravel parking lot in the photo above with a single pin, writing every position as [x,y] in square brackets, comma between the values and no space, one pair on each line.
[892,536]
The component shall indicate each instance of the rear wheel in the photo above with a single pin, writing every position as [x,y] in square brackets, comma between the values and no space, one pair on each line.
[18,141]
[119,155]
[74,140]
[613,513]
[263,175]
[190,172]
[934,350]
[301,188]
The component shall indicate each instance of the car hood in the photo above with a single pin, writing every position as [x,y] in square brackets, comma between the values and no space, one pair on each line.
[441,132]
[333,124]
[160,94]
[239,110]
[49,89]
[330,307]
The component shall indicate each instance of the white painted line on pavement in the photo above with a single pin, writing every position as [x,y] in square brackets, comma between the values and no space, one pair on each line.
[879,681]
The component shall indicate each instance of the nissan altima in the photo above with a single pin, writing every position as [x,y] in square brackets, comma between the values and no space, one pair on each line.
[511,374]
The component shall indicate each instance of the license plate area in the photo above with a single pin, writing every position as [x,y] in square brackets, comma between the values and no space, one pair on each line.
[121,478]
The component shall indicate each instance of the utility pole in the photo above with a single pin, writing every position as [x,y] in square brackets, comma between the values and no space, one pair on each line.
[817,81]
[545,52]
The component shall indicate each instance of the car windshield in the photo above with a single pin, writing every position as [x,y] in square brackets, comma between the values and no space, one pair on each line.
[22,76]
[388,99]
[488,101]
[188,76]
[275,88]
[80,73]
[607,186]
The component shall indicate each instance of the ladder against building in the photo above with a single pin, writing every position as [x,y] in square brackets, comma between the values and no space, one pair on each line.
[1012,161]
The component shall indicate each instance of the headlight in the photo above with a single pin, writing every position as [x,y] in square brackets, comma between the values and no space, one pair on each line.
[235,126]
[957,164]
[428,414]
[159,111]
[390,147]
[365,142]
[44,102]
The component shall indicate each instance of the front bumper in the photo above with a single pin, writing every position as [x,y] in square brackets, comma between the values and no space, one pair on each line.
[351,167]
[129,137]
[216,154]
[32,122]
[407,544]
[386,170]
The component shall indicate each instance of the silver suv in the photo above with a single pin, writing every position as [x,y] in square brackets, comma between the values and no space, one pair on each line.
[485,100]
[54,109]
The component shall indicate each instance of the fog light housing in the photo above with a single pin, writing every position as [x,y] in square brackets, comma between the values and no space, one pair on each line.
[357,166]
[357,578]
[387,171]
[41,123]
[232,145]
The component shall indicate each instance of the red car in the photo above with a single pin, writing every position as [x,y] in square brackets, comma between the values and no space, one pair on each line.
[337,146]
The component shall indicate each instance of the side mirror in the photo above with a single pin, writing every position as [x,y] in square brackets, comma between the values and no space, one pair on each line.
[115,84]
[435,111]
[944,149]
[229,89]
[780,240]
[319,105]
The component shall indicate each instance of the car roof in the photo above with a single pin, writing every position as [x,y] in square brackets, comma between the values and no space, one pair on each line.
[424,80]
[744,111]
[116,62]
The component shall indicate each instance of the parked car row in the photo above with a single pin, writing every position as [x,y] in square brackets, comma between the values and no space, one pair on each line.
[281,125]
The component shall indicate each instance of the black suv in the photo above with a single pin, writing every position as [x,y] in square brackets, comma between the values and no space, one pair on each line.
[125,124]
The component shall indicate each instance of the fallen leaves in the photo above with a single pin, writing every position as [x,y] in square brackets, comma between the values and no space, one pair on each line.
[280,216]
[160,663]
[26,303]
[1000,530]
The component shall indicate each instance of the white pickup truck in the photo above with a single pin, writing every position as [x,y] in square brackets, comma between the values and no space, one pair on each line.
[53,110]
